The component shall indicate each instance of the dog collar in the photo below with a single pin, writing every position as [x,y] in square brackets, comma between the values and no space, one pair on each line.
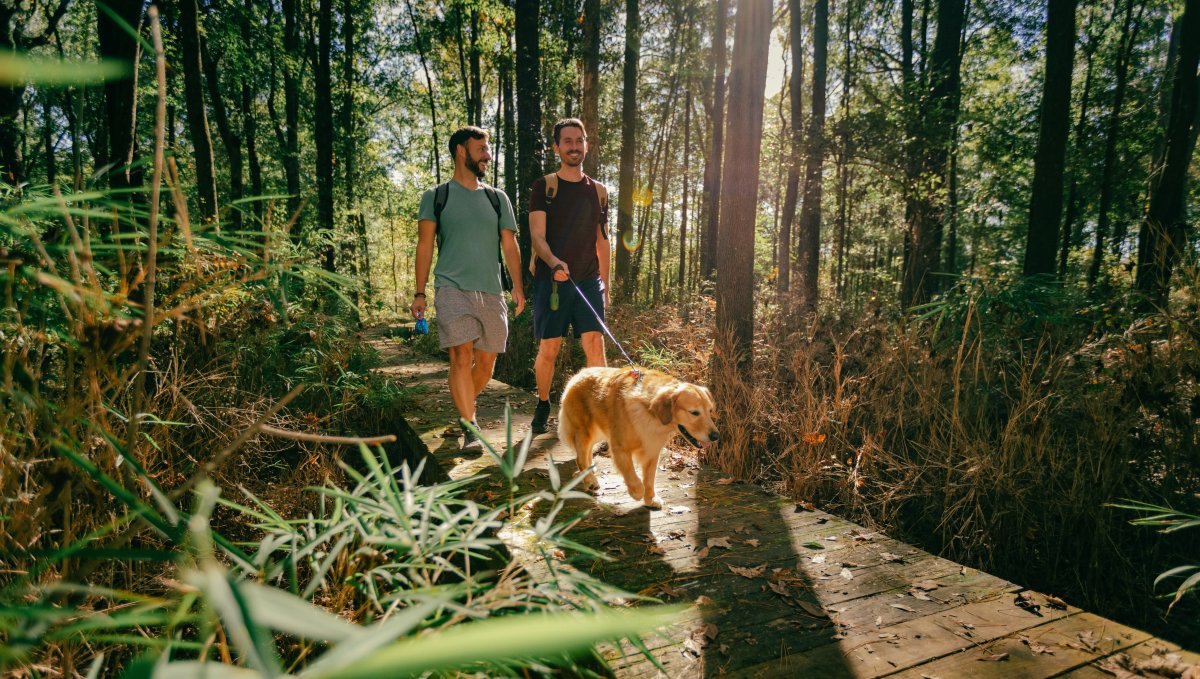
[690,439]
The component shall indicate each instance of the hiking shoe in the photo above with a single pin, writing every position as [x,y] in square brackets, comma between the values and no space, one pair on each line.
[471,441]
[540,416]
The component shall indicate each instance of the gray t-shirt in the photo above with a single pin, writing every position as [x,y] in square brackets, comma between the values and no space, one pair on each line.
[470,240]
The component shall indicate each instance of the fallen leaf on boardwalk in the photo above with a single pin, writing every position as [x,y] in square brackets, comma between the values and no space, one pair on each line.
[752,542]
[999,657]
[749,572]
[709,630]
[1087,642]
[722,542]
[813,610]
[1026,602]
[724,482]
[817,559]
[779,589]
[887,635]
[678,509]
[888,557]
[926,585]
[879,621]
[657,550]
[1037,648]
[702,554]
[904,608]
[862,537]
[1055,602]
[805,506]
[846,574]
[813,545]
[1161,663]
[703,601]
[690,648]
[918,594]
[676,534]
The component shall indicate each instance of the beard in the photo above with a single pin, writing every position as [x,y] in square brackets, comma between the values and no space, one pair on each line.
[572,160]
[474,166]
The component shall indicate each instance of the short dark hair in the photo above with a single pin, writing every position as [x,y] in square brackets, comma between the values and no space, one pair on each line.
[568,122]
[462,134]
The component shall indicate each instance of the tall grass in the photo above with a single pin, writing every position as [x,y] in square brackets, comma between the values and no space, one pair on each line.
[148,362]
[991,427]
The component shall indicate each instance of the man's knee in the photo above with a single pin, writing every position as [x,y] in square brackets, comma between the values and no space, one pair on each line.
[462,354]
[548,349]
[485,359]
[592,343]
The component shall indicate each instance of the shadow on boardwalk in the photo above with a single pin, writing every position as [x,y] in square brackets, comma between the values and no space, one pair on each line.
[781,591]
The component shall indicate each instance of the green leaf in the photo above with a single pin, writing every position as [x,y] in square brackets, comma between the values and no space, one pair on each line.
[22,69]
[284,612]
[190,669]
[503,638]
[373,638]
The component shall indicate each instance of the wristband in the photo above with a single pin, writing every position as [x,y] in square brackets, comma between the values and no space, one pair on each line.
[418,294]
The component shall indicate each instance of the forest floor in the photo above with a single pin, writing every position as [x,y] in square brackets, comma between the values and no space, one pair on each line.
[777,589]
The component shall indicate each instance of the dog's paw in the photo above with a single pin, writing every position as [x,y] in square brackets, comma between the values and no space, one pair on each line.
[636,492]
[590,484]
[652,503]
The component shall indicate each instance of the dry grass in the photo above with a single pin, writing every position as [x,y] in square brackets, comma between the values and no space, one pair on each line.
[971,433]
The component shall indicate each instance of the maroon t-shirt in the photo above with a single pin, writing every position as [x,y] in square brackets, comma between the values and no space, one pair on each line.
[571,219]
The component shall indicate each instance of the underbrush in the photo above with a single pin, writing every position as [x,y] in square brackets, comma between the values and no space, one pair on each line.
[991,428]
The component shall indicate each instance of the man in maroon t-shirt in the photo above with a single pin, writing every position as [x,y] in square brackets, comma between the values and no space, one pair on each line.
[568,229]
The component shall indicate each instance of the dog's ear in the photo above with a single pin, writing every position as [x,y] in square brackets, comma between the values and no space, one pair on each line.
[662,405]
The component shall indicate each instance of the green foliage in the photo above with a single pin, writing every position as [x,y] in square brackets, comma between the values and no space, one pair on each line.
[1168,521]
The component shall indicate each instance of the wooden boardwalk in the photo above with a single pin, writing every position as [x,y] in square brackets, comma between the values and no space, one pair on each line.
[779,590]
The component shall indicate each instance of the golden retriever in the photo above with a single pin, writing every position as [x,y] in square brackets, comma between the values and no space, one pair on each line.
[637,412]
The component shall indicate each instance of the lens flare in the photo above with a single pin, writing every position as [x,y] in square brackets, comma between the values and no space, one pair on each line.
[628,240]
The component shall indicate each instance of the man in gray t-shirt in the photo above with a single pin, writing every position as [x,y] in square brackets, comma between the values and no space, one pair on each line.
[476,223]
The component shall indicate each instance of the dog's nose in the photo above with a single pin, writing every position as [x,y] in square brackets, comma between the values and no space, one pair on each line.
[713,436]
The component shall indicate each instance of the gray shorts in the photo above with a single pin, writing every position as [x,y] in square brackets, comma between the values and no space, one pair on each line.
[471,316]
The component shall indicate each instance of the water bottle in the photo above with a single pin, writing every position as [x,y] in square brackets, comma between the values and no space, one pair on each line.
[554,296]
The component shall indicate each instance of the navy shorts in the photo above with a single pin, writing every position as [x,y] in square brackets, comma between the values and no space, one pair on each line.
[572,310]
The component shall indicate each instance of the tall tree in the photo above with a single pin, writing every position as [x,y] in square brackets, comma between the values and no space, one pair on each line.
[591,84]
[683,202]
[529,114]
[739,198]
[292,59]
[1045,205]
[510,118]
[249,119]
[712,165]
[1081,137]
[23,26]
[808,264]
[197,112]
[1113,132]
[116,42]
[323,128]
[629,111]
[1163,234]
[435,152]
[940,117]
[796,97]
[229,136]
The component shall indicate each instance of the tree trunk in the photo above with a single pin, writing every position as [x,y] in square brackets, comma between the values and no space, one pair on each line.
[48,138]
[808,268]
[435,152]
[476,74]
[249,119]
[591,85]
[193,91]
[15,35]
[683,204]
[529,114]
[712,167]
[796,96]
[629,106]
[1163,235]
[229,137]
[291,108]
[937,133]
[739,199]
[1081,139]
[1045,205]
[323,129]
[510,119]
[1108,173]
[116,43]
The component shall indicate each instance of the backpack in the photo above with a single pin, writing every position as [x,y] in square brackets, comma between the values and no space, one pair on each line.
[552,191]
[442,194]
